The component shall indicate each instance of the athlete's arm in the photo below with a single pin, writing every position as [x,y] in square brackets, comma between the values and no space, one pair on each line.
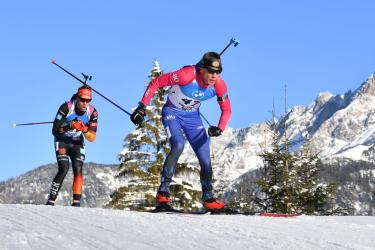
[60,118]
[182,76]
[90,135]
[224,103]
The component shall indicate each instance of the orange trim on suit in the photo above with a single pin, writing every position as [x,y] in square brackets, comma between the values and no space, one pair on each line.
[77,184]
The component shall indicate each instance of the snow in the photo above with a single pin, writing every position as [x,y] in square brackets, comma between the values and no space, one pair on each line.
[61,227]
[364,137]
[355,153]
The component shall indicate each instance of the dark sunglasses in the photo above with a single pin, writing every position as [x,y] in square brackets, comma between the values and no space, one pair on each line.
[84,100]
[212,71]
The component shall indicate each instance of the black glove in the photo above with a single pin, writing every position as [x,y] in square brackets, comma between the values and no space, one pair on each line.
[214,131]
[139,114]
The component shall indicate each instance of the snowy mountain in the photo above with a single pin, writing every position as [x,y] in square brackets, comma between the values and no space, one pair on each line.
[59,227]
[33,187]
[341,126]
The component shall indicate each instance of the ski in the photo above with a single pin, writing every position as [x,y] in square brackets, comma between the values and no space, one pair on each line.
[167,208]
[164,208]
[229,211]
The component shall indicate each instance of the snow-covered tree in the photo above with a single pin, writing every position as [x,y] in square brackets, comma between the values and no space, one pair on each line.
[143,155]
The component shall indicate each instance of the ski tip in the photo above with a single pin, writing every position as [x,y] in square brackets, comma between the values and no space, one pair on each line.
[14,125]
[53,61]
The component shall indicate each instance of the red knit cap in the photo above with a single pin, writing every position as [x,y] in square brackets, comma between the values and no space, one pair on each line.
[85,93]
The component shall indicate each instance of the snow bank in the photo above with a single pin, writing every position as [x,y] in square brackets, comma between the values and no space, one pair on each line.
[59,227]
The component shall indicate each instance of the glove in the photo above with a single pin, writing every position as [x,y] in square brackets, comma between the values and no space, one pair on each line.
[90,135]
[214,131]
[78,125]
[139,114]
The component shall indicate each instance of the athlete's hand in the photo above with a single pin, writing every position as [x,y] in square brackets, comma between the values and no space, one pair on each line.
[214,131]
[139,114]
[79,125]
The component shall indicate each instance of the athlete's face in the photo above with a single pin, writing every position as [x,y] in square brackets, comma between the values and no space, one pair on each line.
[209,78]
[83,103]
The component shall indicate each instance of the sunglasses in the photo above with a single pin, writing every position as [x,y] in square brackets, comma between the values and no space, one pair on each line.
[212,71]
[84,100]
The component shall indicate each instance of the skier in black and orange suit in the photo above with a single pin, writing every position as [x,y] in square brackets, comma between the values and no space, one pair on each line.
[75,120]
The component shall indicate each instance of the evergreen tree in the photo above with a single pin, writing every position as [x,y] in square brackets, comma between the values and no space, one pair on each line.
[274,181]
[142,157]
[312,197]
[290,180]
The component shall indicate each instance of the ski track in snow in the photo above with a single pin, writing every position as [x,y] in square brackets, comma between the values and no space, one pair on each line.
[62,227]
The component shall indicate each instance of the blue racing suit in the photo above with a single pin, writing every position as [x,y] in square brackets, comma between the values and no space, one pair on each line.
[181,119]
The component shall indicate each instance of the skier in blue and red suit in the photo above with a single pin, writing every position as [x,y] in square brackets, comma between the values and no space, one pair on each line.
[190,86]
[75,120]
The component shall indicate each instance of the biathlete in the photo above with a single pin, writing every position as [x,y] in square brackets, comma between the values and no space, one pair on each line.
[75,120]
[190,86]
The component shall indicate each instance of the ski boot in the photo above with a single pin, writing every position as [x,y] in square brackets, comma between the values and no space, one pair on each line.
[76,200]
[50,203]
[76,203]
[163,201]
[213,205]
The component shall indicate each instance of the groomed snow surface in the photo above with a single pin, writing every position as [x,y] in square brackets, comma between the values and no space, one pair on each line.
[60,227]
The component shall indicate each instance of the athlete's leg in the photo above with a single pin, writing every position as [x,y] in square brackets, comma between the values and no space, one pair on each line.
[177,141]
[199,141]
[63,167]
[78,158]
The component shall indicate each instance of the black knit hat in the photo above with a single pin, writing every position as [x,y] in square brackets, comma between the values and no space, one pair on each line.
[212,62]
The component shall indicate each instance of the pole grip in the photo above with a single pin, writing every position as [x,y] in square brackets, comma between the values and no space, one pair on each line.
[233,41]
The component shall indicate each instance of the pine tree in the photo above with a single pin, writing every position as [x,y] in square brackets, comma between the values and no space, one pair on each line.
[142,157]
[290,180]
[273,184]
[312,197]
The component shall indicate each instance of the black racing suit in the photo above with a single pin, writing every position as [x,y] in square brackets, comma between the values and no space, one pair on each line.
[69,143]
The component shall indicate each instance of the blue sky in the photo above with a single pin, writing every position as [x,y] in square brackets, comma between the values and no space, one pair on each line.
[311,47]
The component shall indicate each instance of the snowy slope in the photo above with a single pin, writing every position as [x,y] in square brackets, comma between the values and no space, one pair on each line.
[61,227]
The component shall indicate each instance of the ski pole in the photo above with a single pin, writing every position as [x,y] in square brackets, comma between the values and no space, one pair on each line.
[204,118]
[85,83]
[233,41]
[30,123]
